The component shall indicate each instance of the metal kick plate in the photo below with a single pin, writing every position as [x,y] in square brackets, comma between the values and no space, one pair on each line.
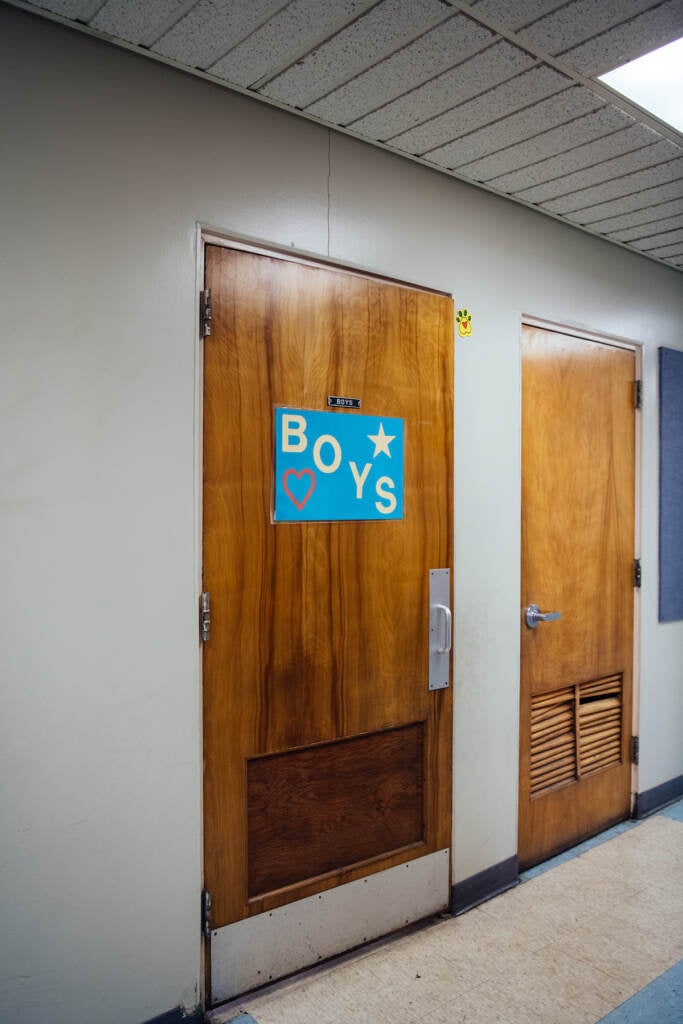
[439,628]
[267,946]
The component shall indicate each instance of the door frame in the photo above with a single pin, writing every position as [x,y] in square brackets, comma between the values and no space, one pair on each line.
[584,333]
[206,234]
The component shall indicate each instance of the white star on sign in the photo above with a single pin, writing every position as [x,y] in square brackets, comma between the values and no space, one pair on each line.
[381,441]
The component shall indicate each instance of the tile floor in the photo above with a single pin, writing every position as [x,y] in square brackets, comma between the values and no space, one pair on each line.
[594,935]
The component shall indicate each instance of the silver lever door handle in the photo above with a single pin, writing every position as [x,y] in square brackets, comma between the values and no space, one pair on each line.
[533,615]
[448,627]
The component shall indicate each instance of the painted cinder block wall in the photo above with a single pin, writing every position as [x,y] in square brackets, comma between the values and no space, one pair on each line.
[109,163]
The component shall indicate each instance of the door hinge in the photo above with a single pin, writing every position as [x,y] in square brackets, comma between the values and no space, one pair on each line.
[635,749]
[205,312]
[205,617]
[637,573]
[206,913]
[638,394]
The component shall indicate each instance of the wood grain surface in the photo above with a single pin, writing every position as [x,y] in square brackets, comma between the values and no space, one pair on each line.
[324,807]
[578,502]
[319,630]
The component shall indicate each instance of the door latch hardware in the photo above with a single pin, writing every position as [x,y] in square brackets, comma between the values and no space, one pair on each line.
[637,573]
[206,913]
[440,628]
[205,616]
[635,749]
[206,312]
[533,615]
[638,394]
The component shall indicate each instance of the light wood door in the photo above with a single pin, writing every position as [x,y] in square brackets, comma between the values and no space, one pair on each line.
[326,756]
[578,500]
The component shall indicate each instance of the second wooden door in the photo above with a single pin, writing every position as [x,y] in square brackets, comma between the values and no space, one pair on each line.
[578,500]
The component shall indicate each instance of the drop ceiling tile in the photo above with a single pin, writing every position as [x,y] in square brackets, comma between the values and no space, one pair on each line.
[630,183]
[645,222]
[384,29]
[667,251]
[429,56]
[522,151]
[494,104]
[625,42]
[469,96]
[513,16]
[606,171]
[627,204]
[655,233]
[211,28]
[665,238]
[286,36]
[137,21]
[617,144]
[65,8]
[580,20]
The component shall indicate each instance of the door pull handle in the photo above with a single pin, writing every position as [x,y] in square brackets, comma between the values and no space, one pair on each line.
[440,628]
[533,615]
[447,629]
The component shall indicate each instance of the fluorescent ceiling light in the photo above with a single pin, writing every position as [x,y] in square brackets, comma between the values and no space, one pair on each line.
[654,82]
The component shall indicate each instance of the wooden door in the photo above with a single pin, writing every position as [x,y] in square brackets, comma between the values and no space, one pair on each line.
[578,499]
[326,756]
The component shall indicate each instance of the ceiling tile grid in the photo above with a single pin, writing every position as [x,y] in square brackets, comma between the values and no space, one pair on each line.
[279,42]
[475,77]
[529,134]
[575,22]
[137,21]
[654,214]
[65,8]
[212,27]
[627,138]
[627,204]
[630,184]
[381,31]
[666,238]
[419,62]
[643,231]
[632,38]
[609,171]
[504,95]
[492,105]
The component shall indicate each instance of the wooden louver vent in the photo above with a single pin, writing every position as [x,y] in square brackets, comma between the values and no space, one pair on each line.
[553,740]
[599,732]
[574,732]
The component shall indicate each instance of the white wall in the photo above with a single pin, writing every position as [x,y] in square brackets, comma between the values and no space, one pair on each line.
[108,163]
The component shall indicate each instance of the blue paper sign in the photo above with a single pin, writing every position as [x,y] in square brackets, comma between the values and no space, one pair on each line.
[331,466]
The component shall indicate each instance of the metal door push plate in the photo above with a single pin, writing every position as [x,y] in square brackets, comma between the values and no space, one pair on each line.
[440,628]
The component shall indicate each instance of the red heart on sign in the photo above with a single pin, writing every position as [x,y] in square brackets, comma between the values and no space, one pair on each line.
[299,502]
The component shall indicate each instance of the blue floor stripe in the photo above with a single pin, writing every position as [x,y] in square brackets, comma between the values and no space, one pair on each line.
[674,811]
[242,1018]
[660,1002]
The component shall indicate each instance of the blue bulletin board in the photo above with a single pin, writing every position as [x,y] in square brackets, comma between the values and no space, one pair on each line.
[333,466]
[670,485]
